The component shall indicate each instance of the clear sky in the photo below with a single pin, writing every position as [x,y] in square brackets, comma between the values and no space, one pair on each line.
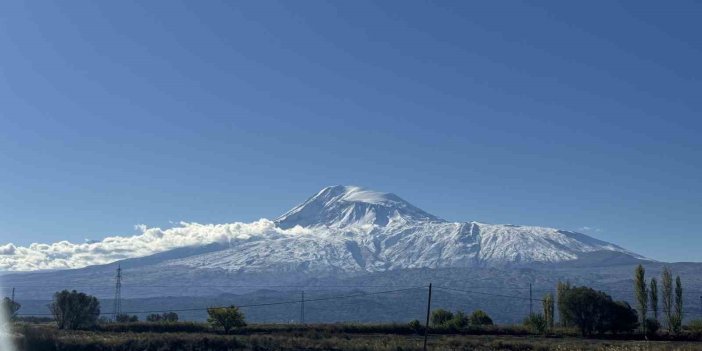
[577,115]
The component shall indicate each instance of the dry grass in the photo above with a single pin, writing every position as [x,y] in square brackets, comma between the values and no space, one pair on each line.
[334,337]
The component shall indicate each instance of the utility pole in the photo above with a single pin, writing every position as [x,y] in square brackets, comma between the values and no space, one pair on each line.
[118,293]
[531,301]
[302,308]
[13,296]
[426,326]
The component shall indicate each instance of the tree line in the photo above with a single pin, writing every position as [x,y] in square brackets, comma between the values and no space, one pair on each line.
[594,311]
[581,307]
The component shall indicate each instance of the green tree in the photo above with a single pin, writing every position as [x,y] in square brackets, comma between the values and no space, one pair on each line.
[9,308]
[561,289]
[640,293]
[479,317]
[653,297]
[583,307]
[548,305]
[592,310]
[75,310]
[226,318]
[678,311]
[622,318]
[667,281]
[440,317]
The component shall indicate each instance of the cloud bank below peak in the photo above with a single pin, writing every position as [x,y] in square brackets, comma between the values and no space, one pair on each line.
[67,255]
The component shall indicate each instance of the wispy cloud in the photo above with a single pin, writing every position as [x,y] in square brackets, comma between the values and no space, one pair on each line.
[65,255]
[589,229]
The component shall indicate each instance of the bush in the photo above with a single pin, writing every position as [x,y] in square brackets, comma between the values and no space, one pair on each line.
[459,321]
[226,318]
[479,317]
[651,326]
[168,317]
[153,318]
[695,326]
[415,325]
[74,310]
[440,317]
[125,318]
[622,318]
[537,323]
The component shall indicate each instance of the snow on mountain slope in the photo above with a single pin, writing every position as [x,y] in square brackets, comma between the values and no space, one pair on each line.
[341,206]
[352,229]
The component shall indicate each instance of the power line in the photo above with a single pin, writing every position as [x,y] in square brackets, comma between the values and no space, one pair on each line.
[488,294]
[339,297]
[217,286]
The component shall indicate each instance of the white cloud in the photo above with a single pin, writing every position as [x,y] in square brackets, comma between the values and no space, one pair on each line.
[8,249]
[64,254]
[589,229]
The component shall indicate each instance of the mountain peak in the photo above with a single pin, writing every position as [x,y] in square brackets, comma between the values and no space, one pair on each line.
[345,205]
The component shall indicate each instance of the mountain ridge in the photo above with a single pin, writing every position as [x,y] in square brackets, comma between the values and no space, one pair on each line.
[337,229]
[352,229]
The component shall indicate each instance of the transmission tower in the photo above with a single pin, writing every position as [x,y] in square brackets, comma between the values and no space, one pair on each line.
[117,310]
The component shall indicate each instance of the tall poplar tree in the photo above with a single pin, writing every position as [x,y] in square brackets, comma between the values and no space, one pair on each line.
[641,293]
[678,313]
[653,297]
[667,281]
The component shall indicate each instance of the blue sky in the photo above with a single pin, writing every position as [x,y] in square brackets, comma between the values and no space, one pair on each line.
[566,115]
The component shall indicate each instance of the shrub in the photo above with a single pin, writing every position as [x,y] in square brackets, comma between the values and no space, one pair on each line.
[622,318]
[226,318]
[153,318]
[537,323]
[459,320]
[652,326]
[415,325]
[695,326]
[169,317]
[479,317]
[74,310]
[440,317]
[125,318]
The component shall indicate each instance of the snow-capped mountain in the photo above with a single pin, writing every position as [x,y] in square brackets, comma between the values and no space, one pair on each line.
[343,206]
[351,229]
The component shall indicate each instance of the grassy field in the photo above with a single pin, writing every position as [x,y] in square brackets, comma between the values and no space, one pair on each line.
[329,337]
